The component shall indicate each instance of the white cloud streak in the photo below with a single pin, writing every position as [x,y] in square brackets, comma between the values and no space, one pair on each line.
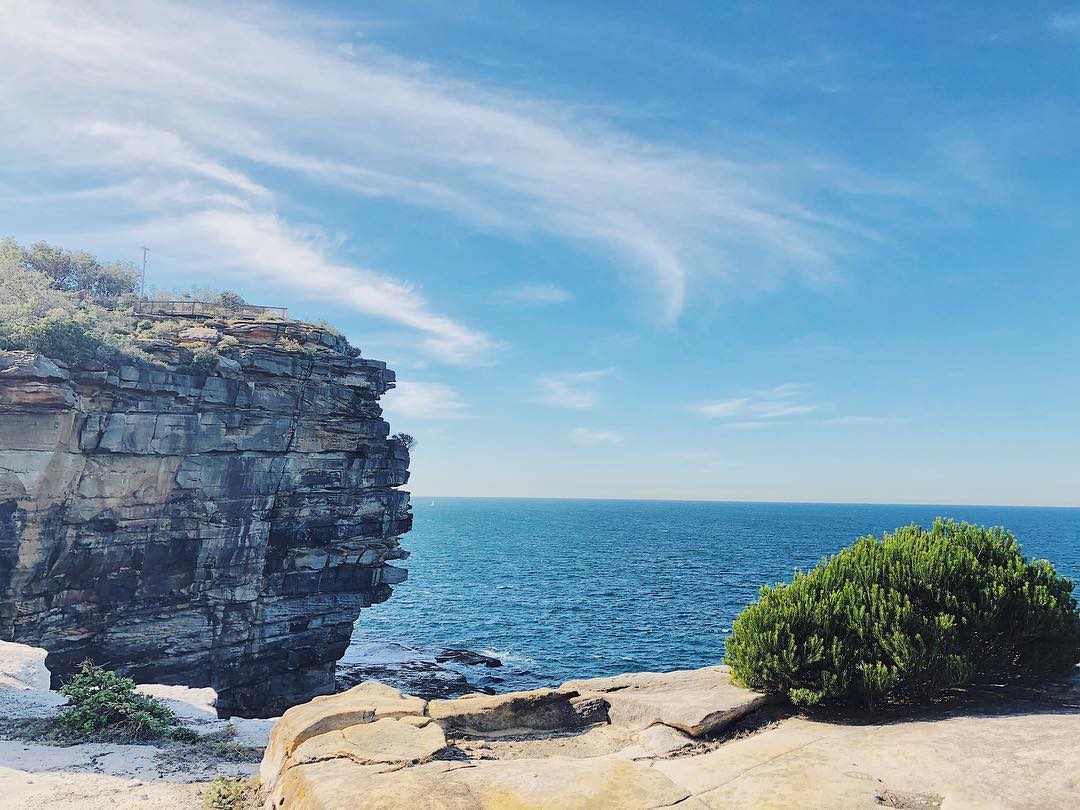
[589,436]
[758,409]
[575,390]
[216,109]
[423,400]
[775,406]
[267,247]
[1064,22]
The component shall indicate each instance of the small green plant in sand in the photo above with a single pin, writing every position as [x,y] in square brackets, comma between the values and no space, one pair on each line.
[227,793]
[104,704]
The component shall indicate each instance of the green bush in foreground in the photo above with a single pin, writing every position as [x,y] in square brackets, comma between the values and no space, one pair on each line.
[101,702]
[903,618]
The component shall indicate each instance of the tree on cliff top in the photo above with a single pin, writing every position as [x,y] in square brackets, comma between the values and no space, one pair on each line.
[77,272]
[51,302]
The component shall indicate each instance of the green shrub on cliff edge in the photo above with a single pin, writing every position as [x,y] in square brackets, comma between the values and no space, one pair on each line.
[102,703]
[901,619]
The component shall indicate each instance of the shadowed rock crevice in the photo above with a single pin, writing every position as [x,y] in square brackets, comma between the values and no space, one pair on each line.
[216,529]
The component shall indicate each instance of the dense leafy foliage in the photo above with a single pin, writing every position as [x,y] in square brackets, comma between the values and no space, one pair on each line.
[906,617]
[64,304]
[77,272]
[230,301]
[100,702]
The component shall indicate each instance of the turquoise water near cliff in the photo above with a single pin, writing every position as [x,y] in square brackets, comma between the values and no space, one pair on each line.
[579,588]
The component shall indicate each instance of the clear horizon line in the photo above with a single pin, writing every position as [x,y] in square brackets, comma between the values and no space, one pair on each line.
[417,495]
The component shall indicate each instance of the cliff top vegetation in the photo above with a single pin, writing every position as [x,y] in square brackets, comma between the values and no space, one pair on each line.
[71,306]
[64,304]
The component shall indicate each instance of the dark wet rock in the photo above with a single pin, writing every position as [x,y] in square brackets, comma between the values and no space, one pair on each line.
[425,679]
[220,529]
[468,658]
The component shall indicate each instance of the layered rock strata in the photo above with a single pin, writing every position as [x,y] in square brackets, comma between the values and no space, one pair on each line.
[214,519]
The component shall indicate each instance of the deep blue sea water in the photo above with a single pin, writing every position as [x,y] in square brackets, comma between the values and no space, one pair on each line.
[580,588]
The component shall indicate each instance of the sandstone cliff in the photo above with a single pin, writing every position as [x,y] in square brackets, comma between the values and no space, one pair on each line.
[218,524]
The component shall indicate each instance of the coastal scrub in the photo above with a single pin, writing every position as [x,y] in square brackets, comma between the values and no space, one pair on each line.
[903,618]
[102,703]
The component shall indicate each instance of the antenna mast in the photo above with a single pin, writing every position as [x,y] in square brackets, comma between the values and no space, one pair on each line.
[142,278]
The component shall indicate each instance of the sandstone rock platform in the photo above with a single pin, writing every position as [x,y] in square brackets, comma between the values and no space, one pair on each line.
[675,739]
[689,739]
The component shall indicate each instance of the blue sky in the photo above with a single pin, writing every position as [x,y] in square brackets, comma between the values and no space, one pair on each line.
[784,251]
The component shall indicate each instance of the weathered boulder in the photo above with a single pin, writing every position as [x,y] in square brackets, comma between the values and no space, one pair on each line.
[467,657]
[381,742]
[199,334]
[696,702]
[215,529]
[512,713]
[365,703]
[23,667]
[660,739]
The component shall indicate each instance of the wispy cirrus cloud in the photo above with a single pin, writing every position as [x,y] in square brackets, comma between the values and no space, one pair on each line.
[591,436]
[576,390]
[759,409]
[423,400]
[1064,22]
[218,125]
[782,404]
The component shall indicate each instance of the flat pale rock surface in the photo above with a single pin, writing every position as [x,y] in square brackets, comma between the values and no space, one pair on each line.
[1014,748]
[1002,761]
[694,701]
[1022,761]
[364,703]
[23,666]
[186,702]
[384,742]
[548,784]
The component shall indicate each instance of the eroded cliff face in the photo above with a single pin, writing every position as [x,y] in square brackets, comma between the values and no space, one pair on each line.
[221,528]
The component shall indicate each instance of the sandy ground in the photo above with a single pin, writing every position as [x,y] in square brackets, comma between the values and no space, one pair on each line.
[101,776]
[108,775]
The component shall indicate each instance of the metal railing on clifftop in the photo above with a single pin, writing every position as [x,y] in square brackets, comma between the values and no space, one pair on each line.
[204,309]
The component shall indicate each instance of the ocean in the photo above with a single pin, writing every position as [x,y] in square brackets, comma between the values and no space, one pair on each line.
[560,589]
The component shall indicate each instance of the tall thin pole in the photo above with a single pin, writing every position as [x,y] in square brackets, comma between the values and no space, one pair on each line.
[142,278]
